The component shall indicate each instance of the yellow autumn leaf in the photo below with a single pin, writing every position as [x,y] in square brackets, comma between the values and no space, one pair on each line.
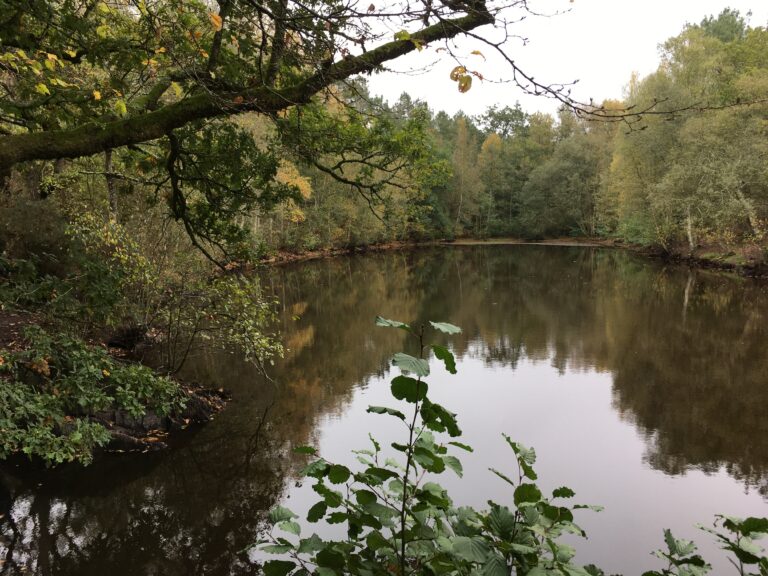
[288,173]
[457,72]
[96,95]
[465,83]
[478,53]
[216,21]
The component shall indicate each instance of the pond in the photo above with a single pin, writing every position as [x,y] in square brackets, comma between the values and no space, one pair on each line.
[642,386]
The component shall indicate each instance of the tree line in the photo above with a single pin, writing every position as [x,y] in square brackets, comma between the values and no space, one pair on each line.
[695,177]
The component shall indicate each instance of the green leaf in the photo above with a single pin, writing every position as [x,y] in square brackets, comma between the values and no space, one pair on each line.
[527,493]
[376,541]
[501,521]
[522,548]
[408,363]
[565,553]
[305,450]
[278,567]
[338,474]
[408,389]
[495,566]
[385,410]
[402,35]
[445,327]
[563,492]
[464,447]
[311,544]
[385,323]
[329,558]
[526,457]
[754,526]
[439,419]
[382,473]
[42,89]
[454,464]
[428,460]
[317,469]
[276,548]
[381,511]
[279,514]
[317,511]
[678,547]
[442,353]
[470,549]
[290,526]
[365,497]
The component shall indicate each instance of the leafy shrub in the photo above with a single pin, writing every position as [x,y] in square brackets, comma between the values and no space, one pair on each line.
[400,521]
[50,392]
[229,312]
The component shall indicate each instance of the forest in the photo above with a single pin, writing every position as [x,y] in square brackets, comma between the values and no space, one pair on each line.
[99,211]
[684,182]
[155,155]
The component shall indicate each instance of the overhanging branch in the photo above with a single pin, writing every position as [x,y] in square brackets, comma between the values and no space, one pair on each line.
[93,138]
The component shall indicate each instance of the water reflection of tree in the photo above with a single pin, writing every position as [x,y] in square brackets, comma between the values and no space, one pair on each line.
[686,348]
[194,509]
[187,511]
[686,351]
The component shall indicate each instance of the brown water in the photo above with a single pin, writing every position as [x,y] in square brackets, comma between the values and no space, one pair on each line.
[642,387]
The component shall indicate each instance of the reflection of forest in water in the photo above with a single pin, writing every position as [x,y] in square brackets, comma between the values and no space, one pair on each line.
[686,350]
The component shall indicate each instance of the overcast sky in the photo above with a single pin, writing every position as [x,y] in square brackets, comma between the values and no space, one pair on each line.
[598,42]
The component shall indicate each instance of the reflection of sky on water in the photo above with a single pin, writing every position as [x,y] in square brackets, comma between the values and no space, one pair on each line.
[580,442]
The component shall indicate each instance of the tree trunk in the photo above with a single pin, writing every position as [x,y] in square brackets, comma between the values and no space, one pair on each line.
[111,185]
[689,230]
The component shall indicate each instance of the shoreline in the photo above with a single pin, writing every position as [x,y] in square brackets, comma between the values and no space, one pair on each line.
[733,260]
[148,433]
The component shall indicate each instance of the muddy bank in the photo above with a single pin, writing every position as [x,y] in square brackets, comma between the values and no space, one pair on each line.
[284,257]
[747,260]
[151,430]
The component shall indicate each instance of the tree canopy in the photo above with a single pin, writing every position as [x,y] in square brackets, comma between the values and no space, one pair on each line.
[86,76]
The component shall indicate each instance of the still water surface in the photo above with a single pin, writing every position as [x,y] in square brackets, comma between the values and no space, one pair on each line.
[643,387]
